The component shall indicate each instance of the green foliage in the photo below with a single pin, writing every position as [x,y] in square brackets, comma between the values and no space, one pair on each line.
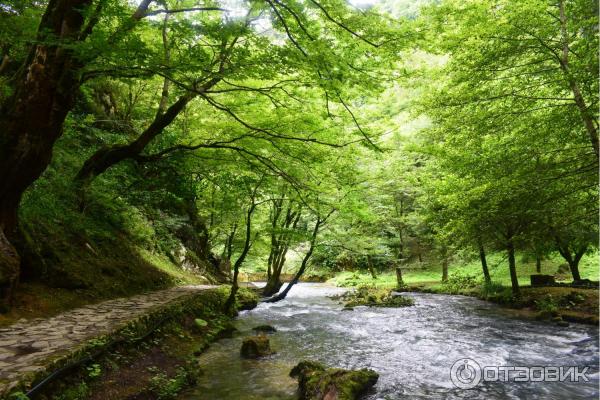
[496,292]
[18,396]
[547,304]
[200,323]
[458,282]
[572,300]
[481,110]
[165,388]
[77,392]
[94,371]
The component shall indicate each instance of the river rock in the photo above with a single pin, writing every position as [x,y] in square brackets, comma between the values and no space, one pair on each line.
[256,347]
[246,299]
[316,382]
[375,297]
[265,329]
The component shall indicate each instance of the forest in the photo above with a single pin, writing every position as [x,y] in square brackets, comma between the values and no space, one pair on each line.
[445,146]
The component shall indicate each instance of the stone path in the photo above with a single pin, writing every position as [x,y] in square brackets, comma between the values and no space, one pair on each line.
[26,347]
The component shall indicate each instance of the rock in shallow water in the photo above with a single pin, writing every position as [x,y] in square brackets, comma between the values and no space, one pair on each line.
[256,347]
[374,297]
[316,382]
[265,328]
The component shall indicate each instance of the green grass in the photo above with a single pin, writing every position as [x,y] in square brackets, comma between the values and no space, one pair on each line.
[497,263]
[162,263]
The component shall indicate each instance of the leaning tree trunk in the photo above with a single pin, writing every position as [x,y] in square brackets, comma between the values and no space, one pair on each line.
[31,121]
[106,157]
[484,266]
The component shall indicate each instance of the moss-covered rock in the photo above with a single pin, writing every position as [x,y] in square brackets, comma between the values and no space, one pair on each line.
[375,297]
[316,382]
[246,299]
[256,347]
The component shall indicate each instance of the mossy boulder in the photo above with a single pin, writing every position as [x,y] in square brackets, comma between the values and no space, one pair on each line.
[374,297]
[246,299]
[316,382]
[256,347]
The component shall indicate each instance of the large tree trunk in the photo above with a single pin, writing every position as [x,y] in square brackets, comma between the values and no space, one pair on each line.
[31,121]
[9,272]
[512,265]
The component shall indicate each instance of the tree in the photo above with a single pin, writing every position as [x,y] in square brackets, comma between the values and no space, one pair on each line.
[81,40]
[284,222]
[230,302]
[510,137]
[319,222]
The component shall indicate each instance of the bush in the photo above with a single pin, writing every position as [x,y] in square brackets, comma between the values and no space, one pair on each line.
[547,304]
[458,282]
[496,292]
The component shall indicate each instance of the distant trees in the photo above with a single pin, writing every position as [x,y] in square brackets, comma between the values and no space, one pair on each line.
[513,145]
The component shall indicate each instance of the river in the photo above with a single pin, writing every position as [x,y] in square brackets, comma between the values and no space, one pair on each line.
[412,348]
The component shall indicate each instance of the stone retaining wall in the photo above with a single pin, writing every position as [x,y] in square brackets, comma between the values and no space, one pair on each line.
[30,351]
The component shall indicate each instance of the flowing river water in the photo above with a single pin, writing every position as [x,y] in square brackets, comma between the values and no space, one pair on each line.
[412,348]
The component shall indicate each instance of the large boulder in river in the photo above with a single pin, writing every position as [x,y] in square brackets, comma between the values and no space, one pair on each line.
[256,347]
[316,382]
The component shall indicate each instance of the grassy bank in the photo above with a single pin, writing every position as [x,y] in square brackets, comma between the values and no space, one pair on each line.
[573,304]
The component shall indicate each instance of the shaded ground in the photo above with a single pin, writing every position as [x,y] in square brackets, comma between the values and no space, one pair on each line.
[26,347]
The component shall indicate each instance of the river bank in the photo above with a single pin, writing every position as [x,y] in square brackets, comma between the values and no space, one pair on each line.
[555,303]
[411,348]
[561,303]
